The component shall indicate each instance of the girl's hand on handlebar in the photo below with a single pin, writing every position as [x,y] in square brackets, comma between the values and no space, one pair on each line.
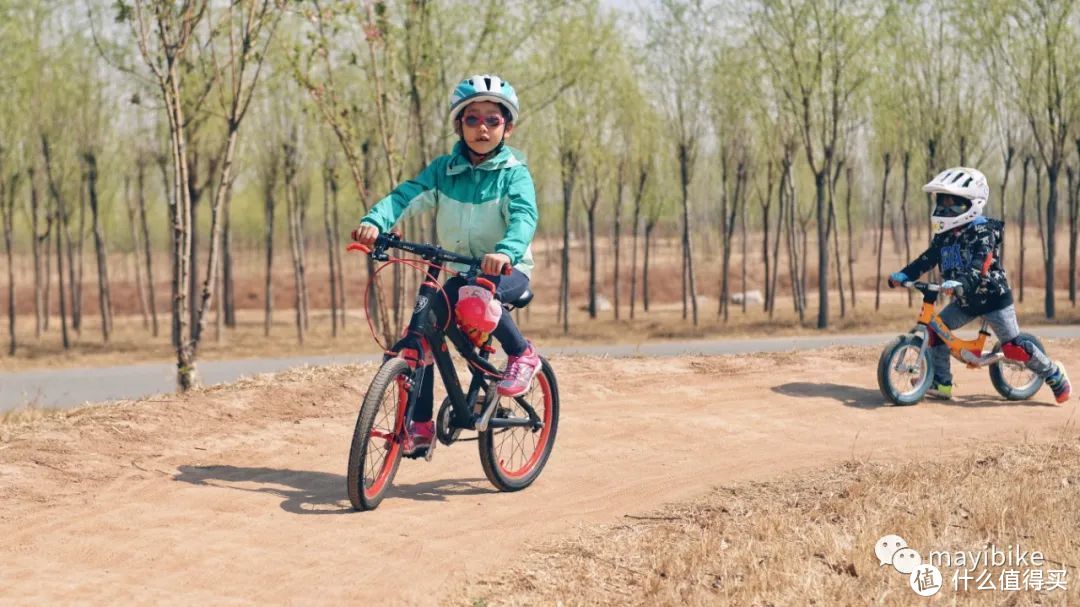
[494,263]
[365,234]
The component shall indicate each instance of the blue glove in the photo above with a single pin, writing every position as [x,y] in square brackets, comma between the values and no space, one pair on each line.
[897,278]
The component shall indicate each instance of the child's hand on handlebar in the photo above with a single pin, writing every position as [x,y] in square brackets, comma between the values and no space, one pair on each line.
[493,263]
[897,278]
[365,234]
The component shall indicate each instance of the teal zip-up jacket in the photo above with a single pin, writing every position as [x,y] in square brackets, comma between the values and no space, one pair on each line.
[489,208]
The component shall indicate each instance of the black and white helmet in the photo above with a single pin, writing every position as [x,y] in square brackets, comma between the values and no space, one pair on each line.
[964,182]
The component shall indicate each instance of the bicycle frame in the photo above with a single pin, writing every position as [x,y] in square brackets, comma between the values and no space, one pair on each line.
[967,351]
[424,344]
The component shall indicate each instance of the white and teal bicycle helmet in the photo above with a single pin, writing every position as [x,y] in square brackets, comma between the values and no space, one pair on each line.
[484,87]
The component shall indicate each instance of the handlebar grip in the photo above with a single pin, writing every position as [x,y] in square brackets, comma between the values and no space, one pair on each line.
[356,246]
[507,270]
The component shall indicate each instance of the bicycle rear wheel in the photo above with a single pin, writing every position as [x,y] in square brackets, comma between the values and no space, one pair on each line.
[513,457]
[1012,379]
[376,444]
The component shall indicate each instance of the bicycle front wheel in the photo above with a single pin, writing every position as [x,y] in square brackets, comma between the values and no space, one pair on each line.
[376,443]
[904,371]
[513,457]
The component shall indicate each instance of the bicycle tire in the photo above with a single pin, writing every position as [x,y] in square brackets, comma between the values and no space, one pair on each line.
[1002,383]
[893,393]
[510,477]
[367,488]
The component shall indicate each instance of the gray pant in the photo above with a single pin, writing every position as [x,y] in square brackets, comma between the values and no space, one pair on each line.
[1003,323]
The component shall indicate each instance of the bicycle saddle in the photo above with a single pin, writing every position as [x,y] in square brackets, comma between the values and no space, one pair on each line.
[522,301]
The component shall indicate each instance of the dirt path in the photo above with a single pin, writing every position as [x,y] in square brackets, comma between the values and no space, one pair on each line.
[235,495]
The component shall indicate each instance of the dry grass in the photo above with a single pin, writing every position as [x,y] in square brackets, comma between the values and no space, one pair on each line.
[809,539]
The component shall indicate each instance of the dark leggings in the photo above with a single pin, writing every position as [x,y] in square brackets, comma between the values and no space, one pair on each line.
[507,288]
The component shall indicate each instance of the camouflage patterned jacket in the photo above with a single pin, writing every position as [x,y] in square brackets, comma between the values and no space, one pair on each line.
[970,254]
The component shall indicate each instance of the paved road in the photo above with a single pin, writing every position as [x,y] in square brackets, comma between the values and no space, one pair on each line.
[72,387]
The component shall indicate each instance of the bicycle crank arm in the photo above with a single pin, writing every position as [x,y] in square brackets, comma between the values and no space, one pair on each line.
[974,360]
[515,422]
[489,410]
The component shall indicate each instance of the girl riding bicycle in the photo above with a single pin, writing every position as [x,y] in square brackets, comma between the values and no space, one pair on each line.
[485,206]
[967,248]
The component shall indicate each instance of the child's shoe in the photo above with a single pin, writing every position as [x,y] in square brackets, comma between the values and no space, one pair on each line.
[418,436]
[1059,383]
[940,391]
[520,371]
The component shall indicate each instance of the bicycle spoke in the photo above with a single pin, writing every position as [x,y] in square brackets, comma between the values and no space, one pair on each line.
[382,434]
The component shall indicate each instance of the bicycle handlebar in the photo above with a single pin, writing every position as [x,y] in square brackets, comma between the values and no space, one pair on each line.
[432,253]
[930,287]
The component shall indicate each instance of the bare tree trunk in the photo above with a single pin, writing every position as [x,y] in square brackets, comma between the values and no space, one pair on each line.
[1070,174]
[688,249]
[569,167]
[136,248]
[1052,174]
[730,211]
[7,213]
[766,203]
[292,204]
[183,229]
[649,226]
[822,246]
[175,223]
[725,202]
[797,285]
[931,167]
[618,230]
[36,241]
[228,282]
[1023,223]
[336,244]
[590,216]
[328,179]
[1039,214]
[219,312]
[268,213]
[1008,156]
[834,223]
[637,226]
[904,217]
[59,213]
[781,209]
[850,236]
[60,274]
[742,222]
[99,247]
[75,252]
[147,248]
[887,162]
[804,256]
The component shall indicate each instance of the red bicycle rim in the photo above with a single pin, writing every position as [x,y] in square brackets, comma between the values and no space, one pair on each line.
[541,443]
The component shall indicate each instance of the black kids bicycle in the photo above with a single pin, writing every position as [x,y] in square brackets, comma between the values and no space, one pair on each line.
[515,435]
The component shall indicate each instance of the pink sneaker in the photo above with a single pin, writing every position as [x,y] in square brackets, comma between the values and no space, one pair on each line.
[520,371]
[418,436]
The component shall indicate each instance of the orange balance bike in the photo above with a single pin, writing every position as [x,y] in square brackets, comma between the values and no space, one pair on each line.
[906,371]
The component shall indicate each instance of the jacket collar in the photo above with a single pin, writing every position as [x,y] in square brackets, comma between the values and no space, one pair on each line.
[459,163]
